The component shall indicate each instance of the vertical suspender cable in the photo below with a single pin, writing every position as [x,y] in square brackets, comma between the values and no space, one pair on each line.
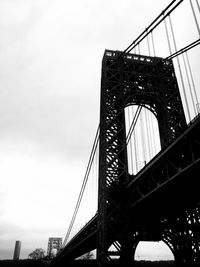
[93,187]
[139,49]
[198,5]
[145,111]
[136,150]
[135,145]
[148,134]
[179,66]
[83,185]
[192,79]
[153,135]
[148,45]
[96,176]
[143,139]
[130,147]
[152,40]
[167,34]
[195,18]
[189,85]
[131,128]
[198,29]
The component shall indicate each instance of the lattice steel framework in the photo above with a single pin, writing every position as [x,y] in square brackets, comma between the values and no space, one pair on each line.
[54,243]
[181,234]
[167,192]
[131,79]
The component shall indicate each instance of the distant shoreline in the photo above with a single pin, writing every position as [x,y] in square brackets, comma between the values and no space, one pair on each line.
[82,263]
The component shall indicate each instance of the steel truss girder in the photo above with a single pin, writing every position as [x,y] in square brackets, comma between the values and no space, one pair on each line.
[170,182]
[184,155]
[168,206]
[182,234]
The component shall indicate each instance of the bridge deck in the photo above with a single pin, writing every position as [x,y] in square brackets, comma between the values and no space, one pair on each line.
[167,184]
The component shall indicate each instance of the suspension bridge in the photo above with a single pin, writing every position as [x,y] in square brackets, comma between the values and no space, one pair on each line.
[142,178]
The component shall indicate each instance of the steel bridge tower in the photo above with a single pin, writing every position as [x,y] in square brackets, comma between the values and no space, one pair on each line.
[149,82]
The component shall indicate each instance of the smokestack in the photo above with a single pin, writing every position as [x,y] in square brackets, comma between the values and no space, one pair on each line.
[17,250]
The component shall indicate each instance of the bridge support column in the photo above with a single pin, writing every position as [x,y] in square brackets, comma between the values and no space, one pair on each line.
[182,234]
[127,250]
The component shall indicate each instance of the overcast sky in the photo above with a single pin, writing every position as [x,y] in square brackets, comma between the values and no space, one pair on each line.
[50,69]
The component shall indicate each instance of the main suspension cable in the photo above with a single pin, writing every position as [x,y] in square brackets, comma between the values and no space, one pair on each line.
[189,84]
[94,147]
[184,49]
[195,18]
[180,71]
[198,5]
[192,79]
[151,27]
[133,124]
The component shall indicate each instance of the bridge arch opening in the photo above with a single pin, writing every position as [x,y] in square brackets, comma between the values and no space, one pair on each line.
[142,135]
[153,251]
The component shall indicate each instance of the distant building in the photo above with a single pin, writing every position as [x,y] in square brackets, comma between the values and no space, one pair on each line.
[17,250]
[54,246]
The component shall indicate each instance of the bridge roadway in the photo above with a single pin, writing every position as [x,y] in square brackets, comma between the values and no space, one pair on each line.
[168,184]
